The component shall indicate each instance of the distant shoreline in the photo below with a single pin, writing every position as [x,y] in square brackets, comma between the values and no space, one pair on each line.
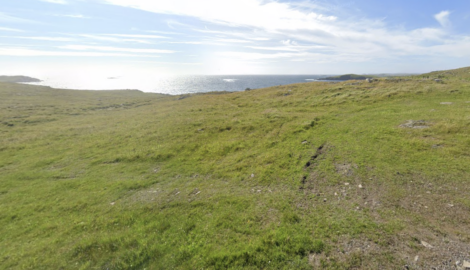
[18,79]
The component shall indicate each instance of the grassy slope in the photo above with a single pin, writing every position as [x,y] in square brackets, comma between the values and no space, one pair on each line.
[349,77]
[18,79]
[122,179]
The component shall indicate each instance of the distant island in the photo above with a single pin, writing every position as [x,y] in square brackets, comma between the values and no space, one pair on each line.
[347,77]
[18,79]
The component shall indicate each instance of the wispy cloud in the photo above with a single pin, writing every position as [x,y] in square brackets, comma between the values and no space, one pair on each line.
[262,14]
[18,51]
[61,2]
[10,29]
[113,49]
[75,16]
[8,18]
[136,36]
[295,23]
[42,38]
[443,18]
[107,37]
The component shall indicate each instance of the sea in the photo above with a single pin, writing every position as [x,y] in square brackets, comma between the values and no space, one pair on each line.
[177,85]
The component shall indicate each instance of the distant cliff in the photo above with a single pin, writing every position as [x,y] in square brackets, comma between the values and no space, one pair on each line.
[347,77]
[18,79]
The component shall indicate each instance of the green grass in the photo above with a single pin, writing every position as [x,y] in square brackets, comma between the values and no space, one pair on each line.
[127,180]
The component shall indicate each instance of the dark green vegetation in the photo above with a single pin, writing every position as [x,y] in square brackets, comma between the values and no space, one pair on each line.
[18,79]
[313,175]
[347,77]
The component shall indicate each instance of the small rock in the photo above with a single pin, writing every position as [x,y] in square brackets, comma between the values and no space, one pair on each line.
[112,203]
[416,124]
[197,193]
[336,194]
[346,184]
[252,175]
[304,142]
[446,103]
[177,193]
[466,265]
[324,200]
[360,186]
[450,205]
[416,258]
[425,244]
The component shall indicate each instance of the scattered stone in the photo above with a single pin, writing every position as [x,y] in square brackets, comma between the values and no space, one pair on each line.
[346,184]
[336,194]
[345,169]
[416,258]
[324,200]
[177,193]
[446,103]
[450,205]
[304,142]
[417,124]
[252,175]
[112,203]
[360,186]
[466,265]
[425,244]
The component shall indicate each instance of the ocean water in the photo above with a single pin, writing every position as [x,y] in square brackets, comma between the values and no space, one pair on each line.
[176,85]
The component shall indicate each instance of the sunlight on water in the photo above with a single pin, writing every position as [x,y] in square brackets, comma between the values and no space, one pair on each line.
[169,84]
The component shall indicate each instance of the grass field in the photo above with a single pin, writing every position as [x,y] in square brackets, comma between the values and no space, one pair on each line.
[349,175]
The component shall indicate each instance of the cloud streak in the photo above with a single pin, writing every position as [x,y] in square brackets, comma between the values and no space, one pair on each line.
[61,2]
[443,18]
[113,49]
[18,51]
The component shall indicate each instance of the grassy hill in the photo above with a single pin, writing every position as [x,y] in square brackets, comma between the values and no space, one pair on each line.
[347,77]
[18,79]
[305,176]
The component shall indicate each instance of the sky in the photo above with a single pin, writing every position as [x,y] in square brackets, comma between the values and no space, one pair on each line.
[41,37]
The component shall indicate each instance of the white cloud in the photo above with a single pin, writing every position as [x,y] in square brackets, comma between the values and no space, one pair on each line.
[112,49]
[136,36]
[8,18]
[254,13]
[75,16]
[289,42]
[114,39]
[42,38]
[10,29]
[61,2]
[30,52]
[443,18]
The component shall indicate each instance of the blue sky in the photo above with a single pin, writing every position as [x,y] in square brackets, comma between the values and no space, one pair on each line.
[42,37]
